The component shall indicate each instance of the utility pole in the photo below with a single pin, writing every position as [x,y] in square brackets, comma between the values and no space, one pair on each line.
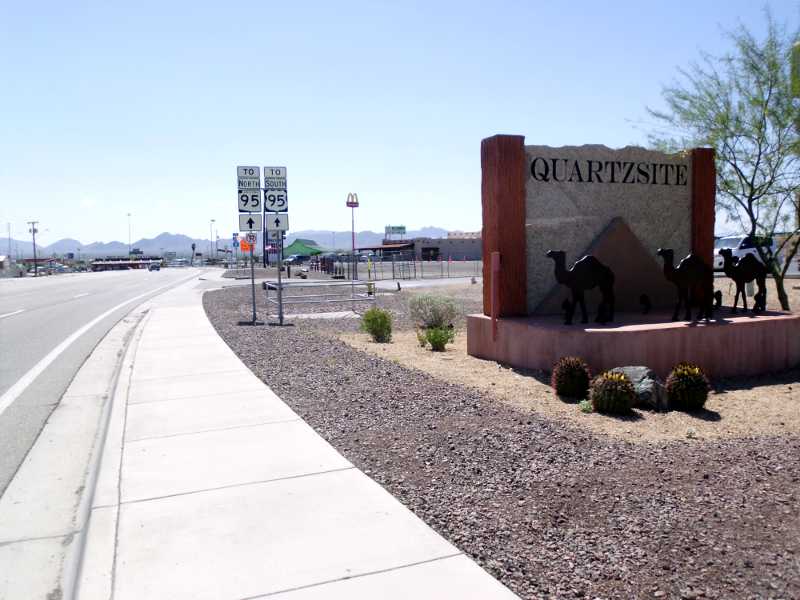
[33,231]
[795,91]
[129,235]
[9,242]
[210,238]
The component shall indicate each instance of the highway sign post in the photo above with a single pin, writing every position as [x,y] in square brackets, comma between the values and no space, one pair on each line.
[248,186]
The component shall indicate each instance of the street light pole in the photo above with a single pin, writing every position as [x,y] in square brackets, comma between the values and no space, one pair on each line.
[129,235]
[33,230]
[210,237]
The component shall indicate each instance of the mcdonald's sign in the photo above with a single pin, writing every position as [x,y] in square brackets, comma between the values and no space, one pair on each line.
[352,200]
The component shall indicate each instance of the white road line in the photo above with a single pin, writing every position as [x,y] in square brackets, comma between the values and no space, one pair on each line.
[16,312]
[81,295]
[23,382]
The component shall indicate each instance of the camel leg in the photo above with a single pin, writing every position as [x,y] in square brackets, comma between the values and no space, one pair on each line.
[736,298]
[580,299]
[677,306]
[569,312]
[688,305]
[744,298]
[762,294]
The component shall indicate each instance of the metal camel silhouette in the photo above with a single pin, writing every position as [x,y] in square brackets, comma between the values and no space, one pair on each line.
[585,274]
[744,271]
[694,280]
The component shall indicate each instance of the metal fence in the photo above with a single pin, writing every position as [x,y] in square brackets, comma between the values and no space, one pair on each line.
[396,266]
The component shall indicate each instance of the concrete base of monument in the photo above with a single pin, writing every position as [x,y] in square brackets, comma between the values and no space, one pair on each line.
[730,345]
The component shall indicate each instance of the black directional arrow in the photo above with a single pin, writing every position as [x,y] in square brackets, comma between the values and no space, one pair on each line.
[250,222]
[277,222]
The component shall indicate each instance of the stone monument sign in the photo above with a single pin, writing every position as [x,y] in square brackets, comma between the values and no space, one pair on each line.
[621,205]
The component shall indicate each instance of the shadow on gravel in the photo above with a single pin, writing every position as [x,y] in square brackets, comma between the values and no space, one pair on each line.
[789,376]
[705,415]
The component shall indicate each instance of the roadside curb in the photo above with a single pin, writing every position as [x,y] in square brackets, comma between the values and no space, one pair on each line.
[73,560]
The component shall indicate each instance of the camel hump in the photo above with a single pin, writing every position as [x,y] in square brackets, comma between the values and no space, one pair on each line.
[588,262]
[693,263]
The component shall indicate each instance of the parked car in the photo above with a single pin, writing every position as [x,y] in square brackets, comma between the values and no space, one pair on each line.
[296,259]
[741,245]
[154,267]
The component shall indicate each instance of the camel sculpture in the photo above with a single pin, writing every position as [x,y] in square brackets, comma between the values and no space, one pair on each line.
[585,274]
[745,270]
[694,280]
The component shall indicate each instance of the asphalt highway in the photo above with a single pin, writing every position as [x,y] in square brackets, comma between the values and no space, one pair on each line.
[48,327]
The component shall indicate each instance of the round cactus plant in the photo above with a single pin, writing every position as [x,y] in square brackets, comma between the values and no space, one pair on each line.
[570,378]
[612,393]
[687,387]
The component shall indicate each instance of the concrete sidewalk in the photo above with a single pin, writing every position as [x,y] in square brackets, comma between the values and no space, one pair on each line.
[211,487]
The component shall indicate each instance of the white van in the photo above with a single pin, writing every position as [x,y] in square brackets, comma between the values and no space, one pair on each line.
[741,245]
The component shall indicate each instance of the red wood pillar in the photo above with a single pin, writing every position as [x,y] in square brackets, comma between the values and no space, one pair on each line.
[503,179]
[704,191]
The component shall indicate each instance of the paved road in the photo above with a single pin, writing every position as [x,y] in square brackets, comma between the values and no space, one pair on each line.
[58,319]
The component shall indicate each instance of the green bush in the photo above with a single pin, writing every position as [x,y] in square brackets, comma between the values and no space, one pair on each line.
[687,387]
[570,378]
[612,393]
[585,406]
[377,323]
[438,337]
[431,311]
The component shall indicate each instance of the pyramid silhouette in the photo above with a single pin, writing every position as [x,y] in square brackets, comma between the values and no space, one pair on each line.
[636,272]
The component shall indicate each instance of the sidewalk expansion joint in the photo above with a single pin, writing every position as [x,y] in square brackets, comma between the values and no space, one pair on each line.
[55,536]
[357,576]
[256,387]
[139,379]
[199,431]
[236,485]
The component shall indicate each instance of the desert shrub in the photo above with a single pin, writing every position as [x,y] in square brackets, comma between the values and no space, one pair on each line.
[438,337]
[421,339]
[377,323]
[570,378]
[687,387]
[429,310]
[612,393]
[585,406]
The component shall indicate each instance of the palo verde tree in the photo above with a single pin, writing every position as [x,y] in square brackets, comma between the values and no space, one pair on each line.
[742,105]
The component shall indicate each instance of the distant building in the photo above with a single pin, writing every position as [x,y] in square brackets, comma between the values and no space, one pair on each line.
[461,246]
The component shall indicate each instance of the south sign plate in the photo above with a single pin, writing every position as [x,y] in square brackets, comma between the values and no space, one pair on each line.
[275,178]
[250,222]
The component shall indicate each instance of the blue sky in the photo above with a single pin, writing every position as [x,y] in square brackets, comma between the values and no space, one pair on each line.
[147,107]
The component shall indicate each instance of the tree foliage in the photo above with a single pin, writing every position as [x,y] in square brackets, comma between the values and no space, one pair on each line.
[741,105]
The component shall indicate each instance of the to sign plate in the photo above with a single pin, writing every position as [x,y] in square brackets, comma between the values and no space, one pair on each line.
[279,222]
[250,222]
[248,182]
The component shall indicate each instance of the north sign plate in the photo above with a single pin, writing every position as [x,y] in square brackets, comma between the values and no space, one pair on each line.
[250,222]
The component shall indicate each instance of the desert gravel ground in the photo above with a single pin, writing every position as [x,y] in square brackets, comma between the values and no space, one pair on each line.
[550,509]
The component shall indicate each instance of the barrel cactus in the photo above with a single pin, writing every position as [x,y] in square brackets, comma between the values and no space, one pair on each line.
[612,393]
[570,378]
[687,387]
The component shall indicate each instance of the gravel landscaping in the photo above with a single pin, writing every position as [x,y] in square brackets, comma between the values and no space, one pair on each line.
[550,509]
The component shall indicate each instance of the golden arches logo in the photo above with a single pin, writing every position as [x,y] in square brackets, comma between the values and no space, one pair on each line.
[352,200]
